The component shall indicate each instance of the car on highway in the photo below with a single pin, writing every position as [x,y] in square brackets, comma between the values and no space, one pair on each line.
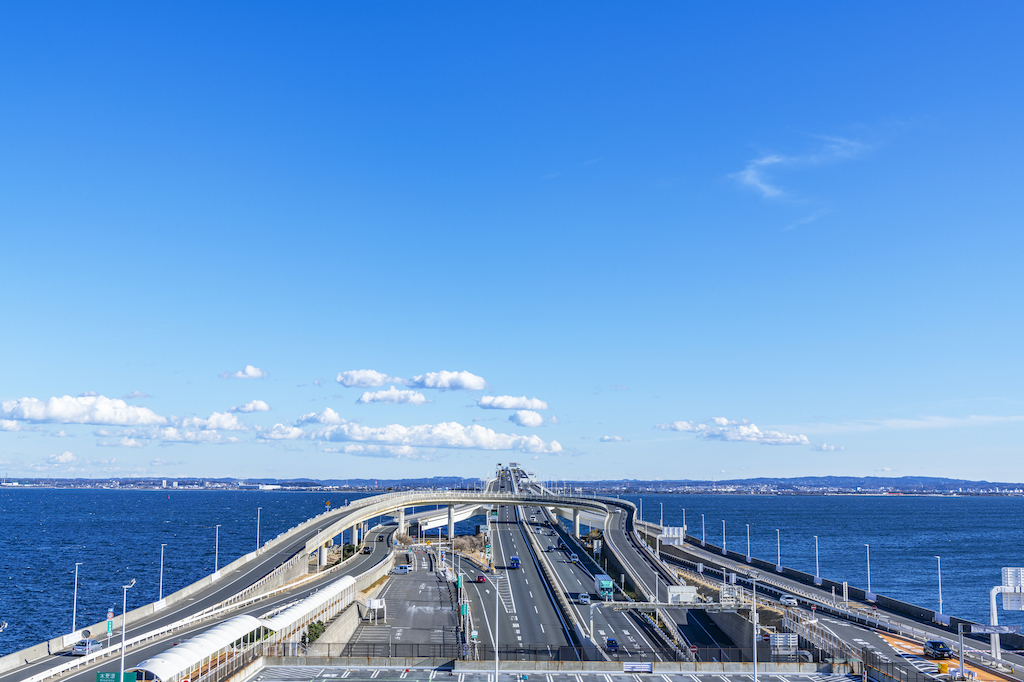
[550,549]
[573,557]
[84,647]
[934,648]
[788,600]
[367,550]
[481,578]
[612,647]
[583,598]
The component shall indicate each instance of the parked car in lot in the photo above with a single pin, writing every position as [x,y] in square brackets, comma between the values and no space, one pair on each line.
[84,647]
[788,600]
[933,648]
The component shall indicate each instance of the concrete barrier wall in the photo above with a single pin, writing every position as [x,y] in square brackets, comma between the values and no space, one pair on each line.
[343,627]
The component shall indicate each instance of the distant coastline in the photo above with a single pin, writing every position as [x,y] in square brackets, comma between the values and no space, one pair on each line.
[821,485]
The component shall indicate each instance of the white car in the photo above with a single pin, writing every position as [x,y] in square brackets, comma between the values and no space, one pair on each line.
[788,600]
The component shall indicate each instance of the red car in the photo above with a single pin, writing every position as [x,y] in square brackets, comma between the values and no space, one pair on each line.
[481,578]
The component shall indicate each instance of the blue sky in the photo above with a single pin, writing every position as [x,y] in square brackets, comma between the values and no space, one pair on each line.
[716,241]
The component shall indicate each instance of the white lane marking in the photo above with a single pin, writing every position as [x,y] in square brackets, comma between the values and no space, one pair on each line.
[347,673]
[542,627]
[535,609]
[375,673]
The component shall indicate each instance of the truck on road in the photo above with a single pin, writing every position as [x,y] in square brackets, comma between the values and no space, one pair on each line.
[604,586]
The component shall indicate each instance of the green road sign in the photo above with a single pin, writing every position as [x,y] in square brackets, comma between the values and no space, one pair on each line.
[109,677]
[110,627]
[473,634]
[465,608]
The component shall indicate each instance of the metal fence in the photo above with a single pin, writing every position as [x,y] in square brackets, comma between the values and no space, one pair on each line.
[884,670]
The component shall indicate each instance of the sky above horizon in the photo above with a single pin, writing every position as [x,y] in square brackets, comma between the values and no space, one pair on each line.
[605,241]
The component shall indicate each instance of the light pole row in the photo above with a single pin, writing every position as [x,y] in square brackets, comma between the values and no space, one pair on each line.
[817,563]
[160,594]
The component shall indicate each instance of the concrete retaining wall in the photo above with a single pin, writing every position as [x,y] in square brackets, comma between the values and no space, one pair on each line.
[343,626]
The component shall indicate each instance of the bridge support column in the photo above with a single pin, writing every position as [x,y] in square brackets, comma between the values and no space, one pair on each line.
[401,522]
[576,522]
[451,524]
[321,556]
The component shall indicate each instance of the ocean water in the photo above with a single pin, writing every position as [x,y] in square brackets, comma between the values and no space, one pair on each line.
[117,534]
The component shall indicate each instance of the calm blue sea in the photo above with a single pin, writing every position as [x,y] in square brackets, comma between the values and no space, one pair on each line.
[117,535]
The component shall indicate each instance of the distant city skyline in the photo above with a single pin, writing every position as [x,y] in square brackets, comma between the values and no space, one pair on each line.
[678,242]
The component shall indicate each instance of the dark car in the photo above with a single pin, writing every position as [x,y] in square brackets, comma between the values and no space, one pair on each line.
[933,648]
[611,646]
[550,549]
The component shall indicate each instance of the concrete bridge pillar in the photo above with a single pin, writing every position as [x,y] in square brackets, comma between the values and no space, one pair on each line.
[401,522]
[576,522]
[451,523]
[322,556]
[353,534]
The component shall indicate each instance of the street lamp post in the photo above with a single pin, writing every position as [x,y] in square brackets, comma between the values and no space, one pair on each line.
[216,550]
[701,530]
[161,571]
[778,551]
[748,543]
[723,538]
[494,584]
[817,570]
[940,583]
[124,623]
[258,510]
[869,567]
[753,616]
[74,603]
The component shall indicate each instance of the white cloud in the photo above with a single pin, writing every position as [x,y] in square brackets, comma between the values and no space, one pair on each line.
[80,410]
[365,378]
[223,421]
[754,175]
[60,434]
[611,439]
[88,394]
[124,442]
[328,416]
[444,435]
[136,394]
[391,451]
[526,418]
[728,430]
[248,372]
[825,447]
[167,435]
[449,381]
[393,395]
[913,423]
[554,420]
[282,432]
[509,402]
[252,406]
[63,458]
[10,425]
